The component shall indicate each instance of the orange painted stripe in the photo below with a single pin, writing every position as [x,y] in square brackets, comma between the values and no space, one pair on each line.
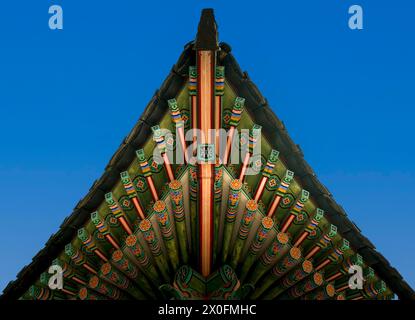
[68,292]
[138,208]
[345,287]
[167,165]
[301,239]
[274,206]
[244,167]
[89,268]
[287,223]
[101,255]
[228,145]
[205,96]
[260,189]
[312,252]
[334,277]
[152,188]
[76,279]
[323,264]
[112,241]
[182,140]
[125,225]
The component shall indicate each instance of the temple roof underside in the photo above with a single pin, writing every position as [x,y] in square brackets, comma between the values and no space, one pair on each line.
[208,228]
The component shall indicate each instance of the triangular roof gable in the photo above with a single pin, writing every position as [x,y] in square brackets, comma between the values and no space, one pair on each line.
[274,131]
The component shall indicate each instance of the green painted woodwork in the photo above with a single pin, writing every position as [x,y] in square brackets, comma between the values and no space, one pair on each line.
[117,283]
[154,244]
[275,251]
[44,293]
[190,285]
[287,281]
[193,192]
[244,228]
[233,201]
[217,209]
[256,246]
[150,256]
[220,80]
[142,258]
[106,289]
[176,196]
[166,225]
[123,263]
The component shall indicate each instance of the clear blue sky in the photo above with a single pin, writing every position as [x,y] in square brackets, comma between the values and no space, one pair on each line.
[68,98]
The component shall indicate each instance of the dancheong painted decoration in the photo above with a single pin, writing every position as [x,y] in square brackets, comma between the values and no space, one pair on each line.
[211,225]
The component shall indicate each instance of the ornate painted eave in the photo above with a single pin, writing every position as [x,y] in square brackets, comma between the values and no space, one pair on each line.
[275,131]
[121,159]
[272,128]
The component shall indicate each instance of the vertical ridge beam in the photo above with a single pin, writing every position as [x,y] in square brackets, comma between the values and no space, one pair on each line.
[206,45]
[205,96]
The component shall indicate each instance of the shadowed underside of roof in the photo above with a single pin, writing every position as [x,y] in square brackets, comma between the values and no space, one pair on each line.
[273,130]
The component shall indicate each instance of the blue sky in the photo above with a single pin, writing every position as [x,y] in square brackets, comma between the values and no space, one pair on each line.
[69,97]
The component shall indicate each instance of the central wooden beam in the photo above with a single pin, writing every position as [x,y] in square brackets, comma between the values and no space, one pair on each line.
[206,65]
[206,46]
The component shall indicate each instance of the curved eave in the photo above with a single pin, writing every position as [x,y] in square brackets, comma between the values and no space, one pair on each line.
[119,162]
[278,137]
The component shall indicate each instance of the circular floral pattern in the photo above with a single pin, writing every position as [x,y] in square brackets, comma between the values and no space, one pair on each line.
[287,201]
[98,235]
[125,203]
[295,253]
[314,234]
[258,162]
[112,221]
[145,225]
[251,205]
[226,118]
[106,268]
[159,206]
[301,218]
[131,240]
[186,118]
[307,266]
[282,237]
[156,164]
[117,255]
[140,183]
[267,222]
[272,183]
